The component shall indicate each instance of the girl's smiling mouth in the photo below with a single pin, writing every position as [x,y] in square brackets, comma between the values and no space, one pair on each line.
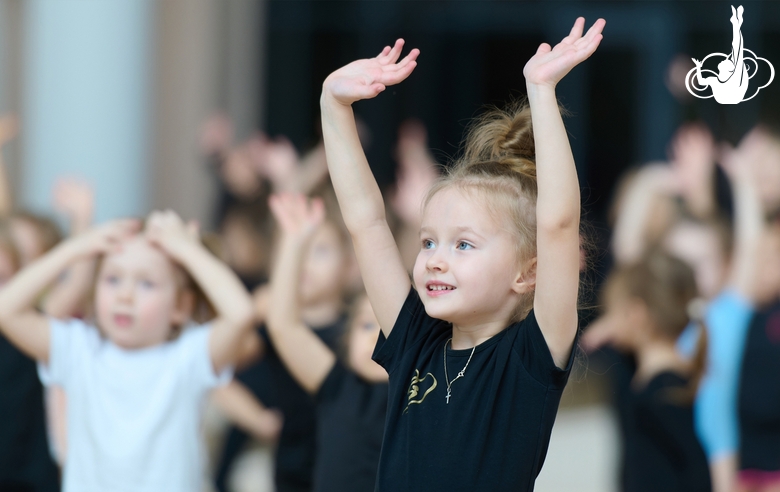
[435,288]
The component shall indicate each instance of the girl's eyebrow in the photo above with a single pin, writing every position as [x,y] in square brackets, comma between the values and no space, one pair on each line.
[458,230]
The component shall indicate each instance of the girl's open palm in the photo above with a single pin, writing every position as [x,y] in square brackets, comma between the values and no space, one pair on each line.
[550,65]
[297,216]
[365,79]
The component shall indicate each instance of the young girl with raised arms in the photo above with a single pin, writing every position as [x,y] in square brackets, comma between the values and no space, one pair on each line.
[135,379]
[351,396]
[479,347]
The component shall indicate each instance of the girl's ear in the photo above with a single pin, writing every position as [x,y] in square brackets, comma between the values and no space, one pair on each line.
[525,281]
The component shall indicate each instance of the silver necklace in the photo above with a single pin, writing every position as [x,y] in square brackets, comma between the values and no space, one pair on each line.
[460,374]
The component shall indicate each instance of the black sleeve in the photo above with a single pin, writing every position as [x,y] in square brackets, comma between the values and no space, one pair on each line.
[331,385]
[532,348]
[412,324]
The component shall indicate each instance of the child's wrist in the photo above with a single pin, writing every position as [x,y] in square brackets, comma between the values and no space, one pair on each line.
[329,101]
[536,90]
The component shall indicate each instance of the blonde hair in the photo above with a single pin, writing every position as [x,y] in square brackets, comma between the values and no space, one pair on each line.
[498,165]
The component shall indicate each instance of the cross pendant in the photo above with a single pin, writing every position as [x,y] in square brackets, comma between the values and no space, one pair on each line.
[448,396]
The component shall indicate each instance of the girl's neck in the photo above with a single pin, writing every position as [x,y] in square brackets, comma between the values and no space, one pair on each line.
[466,337]
[655,357]
[322,313]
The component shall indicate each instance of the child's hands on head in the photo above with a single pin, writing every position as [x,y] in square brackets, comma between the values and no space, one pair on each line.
[297,216]
[549,65]
[365,79]
[169,232]
[105,238]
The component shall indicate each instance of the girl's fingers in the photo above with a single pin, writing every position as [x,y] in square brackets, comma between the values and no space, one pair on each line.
[412,56]
[576,30]
[395,53]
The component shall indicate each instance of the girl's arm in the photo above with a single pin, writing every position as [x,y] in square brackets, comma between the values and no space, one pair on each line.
[20,322]
[305,355]
[749,219]
[384,275]
[558,203]
[232,303]
[66,298]
[239,405]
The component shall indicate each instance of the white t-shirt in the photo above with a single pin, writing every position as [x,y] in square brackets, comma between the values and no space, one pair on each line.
[134,416]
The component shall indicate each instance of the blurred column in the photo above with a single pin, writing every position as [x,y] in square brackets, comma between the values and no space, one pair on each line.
[208,59]
[11,36]
[86,100]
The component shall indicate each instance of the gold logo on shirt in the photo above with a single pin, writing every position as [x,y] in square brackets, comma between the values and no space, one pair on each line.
[414,388]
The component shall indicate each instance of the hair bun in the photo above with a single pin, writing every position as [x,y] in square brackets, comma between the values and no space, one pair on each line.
[503,136]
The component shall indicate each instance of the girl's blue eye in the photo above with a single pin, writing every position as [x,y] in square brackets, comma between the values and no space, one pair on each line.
[112,279]
[146,284]
[463,246]
[427,244]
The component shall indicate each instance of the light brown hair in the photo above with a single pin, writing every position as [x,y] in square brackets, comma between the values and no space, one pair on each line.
[667,287]
[498,166]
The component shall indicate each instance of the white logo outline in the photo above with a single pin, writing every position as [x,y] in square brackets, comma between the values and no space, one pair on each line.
[732,90]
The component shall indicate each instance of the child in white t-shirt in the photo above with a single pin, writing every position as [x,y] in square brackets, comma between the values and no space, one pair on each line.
[136,380]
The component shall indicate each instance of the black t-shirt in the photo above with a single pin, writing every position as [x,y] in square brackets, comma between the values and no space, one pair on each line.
[759,398]
[350,424]
[25,462]
[494,432]
[661,450]
[273,385]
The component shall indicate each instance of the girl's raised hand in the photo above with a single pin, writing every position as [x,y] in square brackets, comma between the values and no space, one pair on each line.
[365,79]
[297,216]
[550,65]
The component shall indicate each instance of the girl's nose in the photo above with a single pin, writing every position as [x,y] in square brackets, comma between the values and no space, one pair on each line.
[436,262]
[125,291]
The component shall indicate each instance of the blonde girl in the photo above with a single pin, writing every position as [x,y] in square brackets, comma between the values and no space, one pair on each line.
[478,346]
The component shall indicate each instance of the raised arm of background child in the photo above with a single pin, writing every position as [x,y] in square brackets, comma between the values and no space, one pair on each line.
[728,320]
[239,405]
[384,275]
[25,327]
[231,302]
[305,355]
[749,224]
[8,129]
[74,200]
[558,202]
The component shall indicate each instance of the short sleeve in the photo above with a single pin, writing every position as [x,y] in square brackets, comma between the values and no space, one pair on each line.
[193,348]
[535,355]
[717,423]
[412,324]
[71,343]
[331,386]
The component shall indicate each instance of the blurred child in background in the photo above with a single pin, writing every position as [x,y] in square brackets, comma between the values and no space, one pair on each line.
[136,378]
[351,396]
[647,308]
[328,273]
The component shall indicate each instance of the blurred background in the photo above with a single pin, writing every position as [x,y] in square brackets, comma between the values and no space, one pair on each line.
[117,93]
